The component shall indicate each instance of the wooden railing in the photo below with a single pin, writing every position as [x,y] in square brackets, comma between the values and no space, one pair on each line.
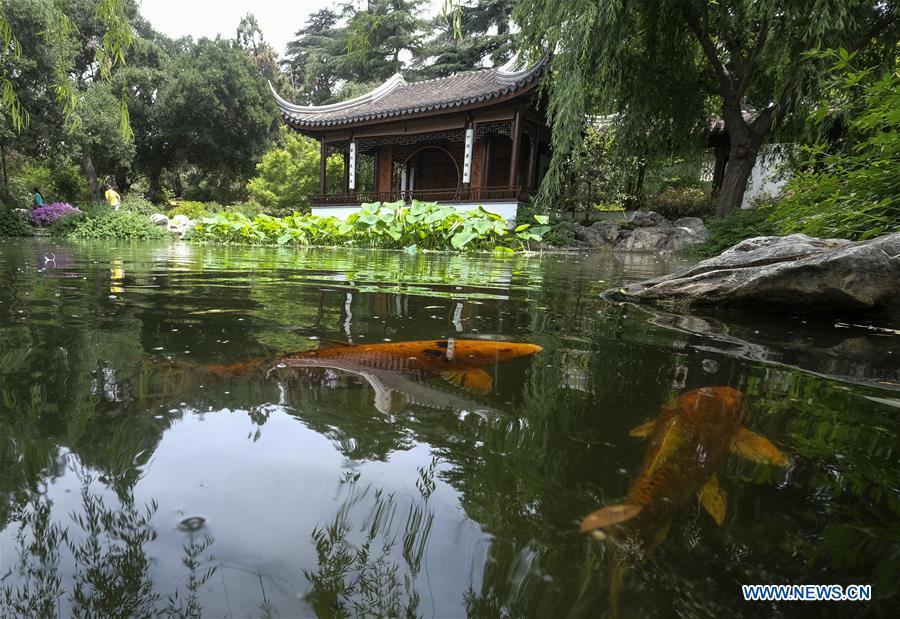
[460,194]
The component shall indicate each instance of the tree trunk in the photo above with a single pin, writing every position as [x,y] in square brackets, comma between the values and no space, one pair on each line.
[88,164]
[734,181]
[745,141]
[122,183]
[153,188]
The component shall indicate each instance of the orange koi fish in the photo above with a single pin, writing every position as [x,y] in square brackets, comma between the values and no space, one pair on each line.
[686,444]
[385,365]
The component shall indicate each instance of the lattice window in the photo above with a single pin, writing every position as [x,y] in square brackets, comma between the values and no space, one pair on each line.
[503,127]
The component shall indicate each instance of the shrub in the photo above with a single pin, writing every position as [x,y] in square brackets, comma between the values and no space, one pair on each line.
[194,210]
[248,209]
[134,203]
[681,201]
[289,175]
[850,189]
[14,222]
[397,226]
[121,224]
[734,228]
[64,226]
[45,215]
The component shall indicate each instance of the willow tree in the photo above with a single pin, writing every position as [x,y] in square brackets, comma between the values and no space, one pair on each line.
[660,60]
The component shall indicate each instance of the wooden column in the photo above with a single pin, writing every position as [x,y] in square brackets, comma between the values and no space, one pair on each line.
[384,172]
[514,155]
[323,157]
[532,159]
[486,165]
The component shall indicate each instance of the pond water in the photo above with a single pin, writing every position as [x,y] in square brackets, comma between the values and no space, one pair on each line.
[137,480]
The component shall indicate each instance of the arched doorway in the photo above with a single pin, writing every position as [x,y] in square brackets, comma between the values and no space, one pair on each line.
[431,168]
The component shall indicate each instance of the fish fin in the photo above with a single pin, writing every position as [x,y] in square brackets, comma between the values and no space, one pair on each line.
[612,514]
[757,448]
[644,430]
[712,498]
[474,379]
[661,534]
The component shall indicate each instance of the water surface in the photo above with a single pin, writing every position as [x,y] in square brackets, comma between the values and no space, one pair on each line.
[134,482]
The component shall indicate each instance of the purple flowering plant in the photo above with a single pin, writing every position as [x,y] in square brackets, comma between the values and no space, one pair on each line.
[45,215]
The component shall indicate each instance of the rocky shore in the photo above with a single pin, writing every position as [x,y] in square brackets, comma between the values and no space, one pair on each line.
[646,231]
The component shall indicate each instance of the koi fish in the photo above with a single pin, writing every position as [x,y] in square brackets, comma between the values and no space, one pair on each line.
[394,369]
[459,362]
[686,444]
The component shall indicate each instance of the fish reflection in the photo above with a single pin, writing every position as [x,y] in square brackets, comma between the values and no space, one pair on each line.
[687,443]
[395,370]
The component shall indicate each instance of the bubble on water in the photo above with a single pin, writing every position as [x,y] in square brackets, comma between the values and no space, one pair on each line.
[192,524]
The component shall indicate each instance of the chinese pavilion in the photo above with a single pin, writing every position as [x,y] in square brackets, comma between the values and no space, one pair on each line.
[468,139]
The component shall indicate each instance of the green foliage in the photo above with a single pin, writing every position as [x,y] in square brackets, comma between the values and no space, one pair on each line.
[118,225]
[685,201]
[58,179]
[194,210]
[64,226]
[421,225]
[850,189]
[214,110]
[134,203]
[290,174]
[14,222]
[659,68]
[248,209]
[730,230]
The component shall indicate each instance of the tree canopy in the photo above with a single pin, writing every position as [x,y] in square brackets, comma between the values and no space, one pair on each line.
[663,67]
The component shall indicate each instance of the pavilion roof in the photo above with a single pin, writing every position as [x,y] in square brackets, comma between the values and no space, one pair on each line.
[397,98]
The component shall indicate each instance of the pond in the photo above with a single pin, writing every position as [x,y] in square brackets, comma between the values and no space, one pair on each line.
[157,458]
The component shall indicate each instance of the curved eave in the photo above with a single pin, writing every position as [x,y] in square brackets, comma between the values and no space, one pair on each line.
[518,82]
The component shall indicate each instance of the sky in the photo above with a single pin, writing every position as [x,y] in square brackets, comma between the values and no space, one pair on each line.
[278,19]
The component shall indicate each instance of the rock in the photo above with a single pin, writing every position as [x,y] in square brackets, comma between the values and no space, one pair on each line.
[645,219]
[694,225]
[159,219]
[795,272]
[180,225]
[600,234]
[665,236]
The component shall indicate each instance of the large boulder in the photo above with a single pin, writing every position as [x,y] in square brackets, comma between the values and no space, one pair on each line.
[794,272]
[159,219]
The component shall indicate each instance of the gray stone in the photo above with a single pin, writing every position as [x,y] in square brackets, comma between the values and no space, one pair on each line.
[665,237]
[644,219]
[159,219]
[600,234]
[794,272]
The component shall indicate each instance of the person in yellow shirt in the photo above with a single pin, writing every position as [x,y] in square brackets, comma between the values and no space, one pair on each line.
[113,198]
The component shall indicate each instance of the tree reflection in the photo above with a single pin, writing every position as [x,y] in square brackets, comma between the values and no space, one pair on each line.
[362,575]
[98,566]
